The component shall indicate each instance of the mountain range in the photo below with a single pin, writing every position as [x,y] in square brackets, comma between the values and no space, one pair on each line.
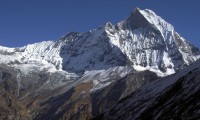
[126,67]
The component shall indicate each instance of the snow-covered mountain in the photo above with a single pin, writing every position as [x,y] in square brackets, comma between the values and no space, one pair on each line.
[82,74]
[144,41]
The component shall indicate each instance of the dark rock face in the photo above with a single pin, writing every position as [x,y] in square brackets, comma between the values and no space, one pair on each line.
[177,100]
[10,107]
[136,20]
[105,98]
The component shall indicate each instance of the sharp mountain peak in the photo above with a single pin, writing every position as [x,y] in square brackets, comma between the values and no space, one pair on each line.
[143,41]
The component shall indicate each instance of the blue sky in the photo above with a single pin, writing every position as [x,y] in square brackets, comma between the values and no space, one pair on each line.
[29,21]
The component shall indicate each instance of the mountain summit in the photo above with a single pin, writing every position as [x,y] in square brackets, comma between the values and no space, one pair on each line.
[144,41]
